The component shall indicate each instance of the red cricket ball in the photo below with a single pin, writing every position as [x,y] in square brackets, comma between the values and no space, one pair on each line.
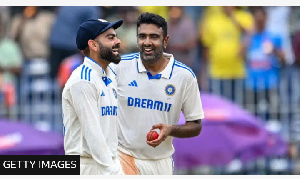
[152,135]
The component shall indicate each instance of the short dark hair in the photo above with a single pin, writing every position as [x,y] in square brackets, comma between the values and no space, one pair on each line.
[150,18]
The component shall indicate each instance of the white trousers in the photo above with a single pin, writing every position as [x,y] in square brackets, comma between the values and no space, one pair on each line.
[88,166]
[134,166]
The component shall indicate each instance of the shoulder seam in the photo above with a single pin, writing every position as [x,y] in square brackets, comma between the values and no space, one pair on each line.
[130,56]
[181,65]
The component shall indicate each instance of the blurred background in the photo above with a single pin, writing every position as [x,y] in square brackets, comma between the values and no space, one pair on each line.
[245,58]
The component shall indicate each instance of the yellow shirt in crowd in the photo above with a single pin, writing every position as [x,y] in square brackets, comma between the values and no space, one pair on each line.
[224,39]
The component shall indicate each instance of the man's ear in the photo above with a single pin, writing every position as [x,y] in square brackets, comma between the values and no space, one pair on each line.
[166,41]
[92,45]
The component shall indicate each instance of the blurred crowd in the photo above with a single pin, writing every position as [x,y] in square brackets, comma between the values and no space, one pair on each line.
[242,53]
[223,45]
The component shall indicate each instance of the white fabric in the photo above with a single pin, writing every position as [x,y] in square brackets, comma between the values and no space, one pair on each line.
[89,166]
[144,102]
[90,115]
[155,167]
[278,23]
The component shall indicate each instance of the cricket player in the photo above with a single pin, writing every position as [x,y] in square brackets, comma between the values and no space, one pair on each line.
[89,100]
[153,89]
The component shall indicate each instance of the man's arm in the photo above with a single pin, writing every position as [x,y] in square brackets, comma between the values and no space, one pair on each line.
[189,129]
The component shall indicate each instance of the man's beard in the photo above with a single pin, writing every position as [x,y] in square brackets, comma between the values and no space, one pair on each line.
[154,57]
[107,54]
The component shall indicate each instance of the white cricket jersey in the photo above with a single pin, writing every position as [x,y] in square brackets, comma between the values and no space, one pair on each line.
[145,100]
[89,103]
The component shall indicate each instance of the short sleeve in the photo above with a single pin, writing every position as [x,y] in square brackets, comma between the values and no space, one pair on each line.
[192,105]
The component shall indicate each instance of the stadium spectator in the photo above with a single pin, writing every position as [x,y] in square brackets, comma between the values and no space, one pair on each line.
[31,29]
[182,44]
[295,33]
[63,32]
[264,58]
[294,69]
[127,33]
[278,19]
[10,67]
[296,48]
[222,35]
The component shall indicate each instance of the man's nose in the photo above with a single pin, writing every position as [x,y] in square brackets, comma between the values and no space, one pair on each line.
[118,41]
[147,41]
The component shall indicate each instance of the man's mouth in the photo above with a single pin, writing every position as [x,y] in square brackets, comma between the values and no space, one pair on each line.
[115,51]
[148,50]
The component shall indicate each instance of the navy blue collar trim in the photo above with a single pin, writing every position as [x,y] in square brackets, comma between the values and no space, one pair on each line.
[157,76]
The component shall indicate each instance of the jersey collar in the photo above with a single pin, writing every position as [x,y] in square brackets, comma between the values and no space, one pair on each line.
[98,69]
[96,66]
[166,73]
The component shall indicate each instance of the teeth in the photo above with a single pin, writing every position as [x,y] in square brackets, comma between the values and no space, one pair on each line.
[148,50]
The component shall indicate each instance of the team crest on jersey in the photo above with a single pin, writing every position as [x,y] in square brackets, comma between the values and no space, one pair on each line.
[115,93]
[170,90]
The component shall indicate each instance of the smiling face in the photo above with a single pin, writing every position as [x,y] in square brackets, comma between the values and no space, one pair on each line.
[151,42]
[109,46]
